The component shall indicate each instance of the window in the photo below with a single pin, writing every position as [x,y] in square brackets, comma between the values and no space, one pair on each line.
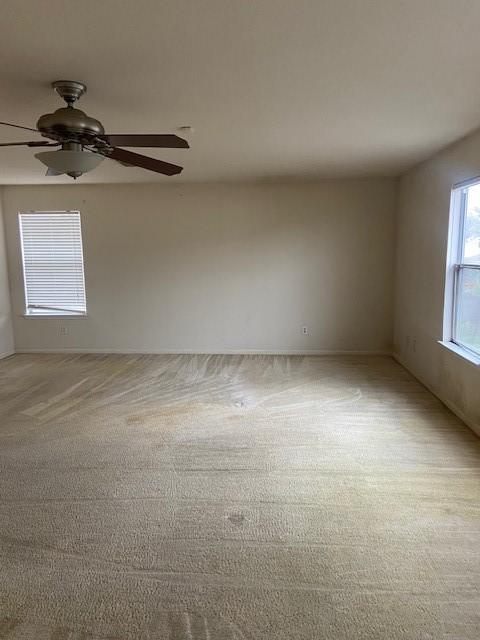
[52,263]
[463,269]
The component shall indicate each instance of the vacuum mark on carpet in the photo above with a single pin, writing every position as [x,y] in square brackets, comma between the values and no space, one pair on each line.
[187,625]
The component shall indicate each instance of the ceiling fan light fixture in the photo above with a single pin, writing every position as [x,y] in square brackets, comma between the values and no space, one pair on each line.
[73,163]
[84,143]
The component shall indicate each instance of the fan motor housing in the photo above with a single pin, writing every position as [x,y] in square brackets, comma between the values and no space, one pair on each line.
[69,122]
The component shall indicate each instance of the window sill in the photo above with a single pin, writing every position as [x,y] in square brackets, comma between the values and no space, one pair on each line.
[53,315]
[461,352]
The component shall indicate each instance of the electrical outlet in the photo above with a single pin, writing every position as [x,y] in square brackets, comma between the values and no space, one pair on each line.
[63,331]
[414,346]
[305,331]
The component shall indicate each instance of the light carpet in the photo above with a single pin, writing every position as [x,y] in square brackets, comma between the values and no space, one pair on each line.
[233,498]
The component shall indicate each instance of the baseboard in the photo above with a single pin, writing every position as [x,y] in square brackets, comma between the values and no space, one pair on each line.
[260,352]
[453,408]
[6,354]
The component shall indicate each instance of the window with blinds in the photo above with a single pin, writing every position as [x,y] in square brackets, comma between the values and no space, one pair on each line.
[52,257]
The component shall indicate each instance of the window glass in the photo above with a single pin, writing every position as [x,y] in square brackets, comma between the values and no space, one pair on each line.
[471,229]
[467,329]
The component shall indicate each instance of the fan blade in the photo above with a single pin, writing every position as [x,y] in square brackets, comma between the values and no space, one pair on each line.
[52,172]
[137,160]
[166,141]
[17,126]
[35,143]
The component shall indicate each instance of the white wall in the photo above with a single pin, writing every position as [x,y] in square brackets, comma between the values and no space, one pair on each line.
[6,330]
[221,267]
[422,234]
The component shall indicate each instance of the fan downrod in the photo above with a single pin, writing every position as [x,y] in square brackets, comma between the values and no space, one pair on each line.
[69,90]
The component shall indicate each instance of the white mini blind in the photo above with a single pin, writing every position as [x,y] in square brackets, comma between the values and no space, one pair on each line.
[53,263]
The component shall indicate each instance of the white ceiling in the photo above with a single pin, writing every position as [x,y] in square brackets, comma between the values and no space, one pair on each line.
[273,88]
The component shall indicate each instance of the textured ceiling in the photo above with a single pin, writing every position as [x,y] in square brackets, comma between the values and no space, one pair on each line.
[273,88]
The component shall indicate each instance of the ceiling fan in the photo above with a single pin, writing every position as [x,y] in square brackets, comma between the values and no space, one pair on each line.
[84,143]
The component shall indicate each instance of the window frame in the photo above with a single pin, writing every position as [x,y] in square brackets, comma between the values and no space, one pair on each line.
[455,266]
[53,314]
